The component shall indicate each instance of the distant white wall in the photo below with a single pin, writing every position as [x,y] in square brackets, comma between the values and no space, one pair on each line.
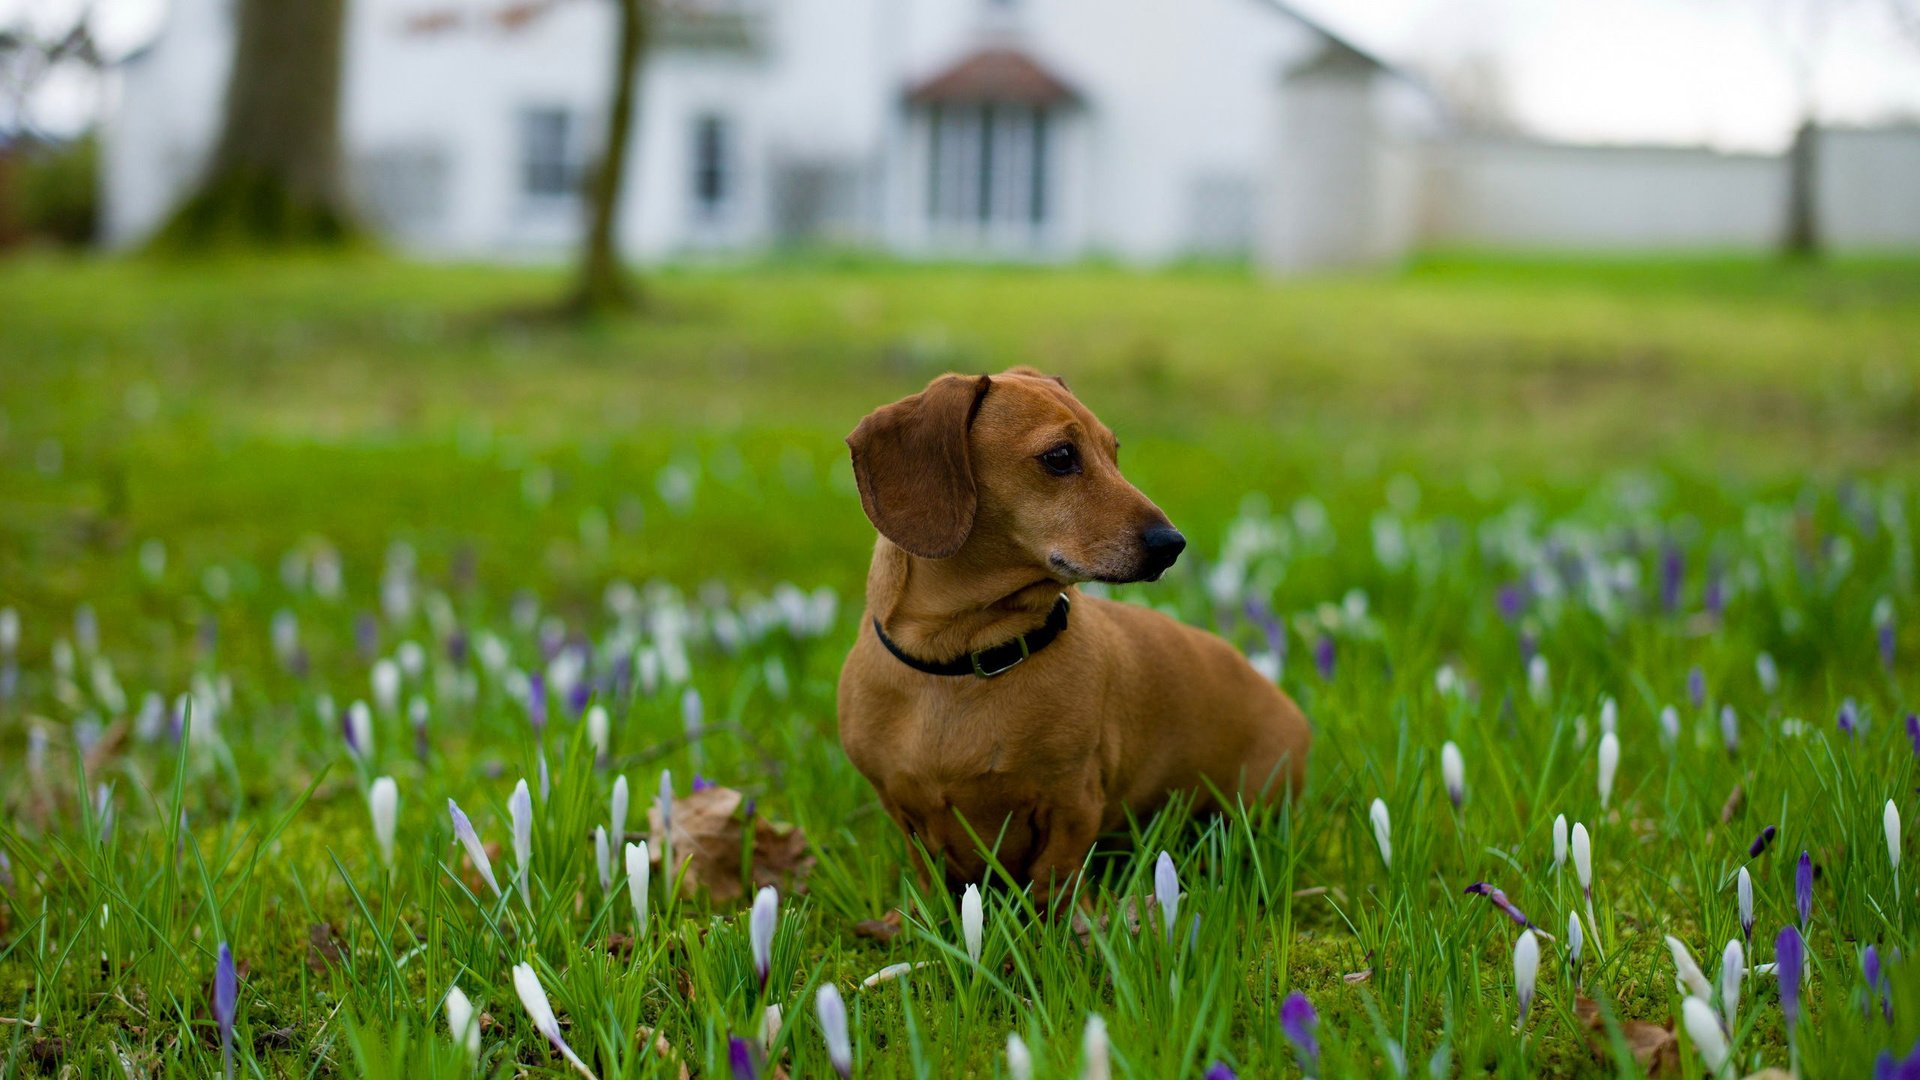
[1868,187]
[1519,194]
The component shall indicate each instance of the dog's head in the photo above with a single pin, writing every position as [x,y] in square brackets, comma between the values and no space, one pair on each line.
[1011,467]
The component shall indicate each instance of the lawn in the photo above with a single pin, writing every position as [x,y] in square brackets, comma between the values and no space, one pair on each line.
[271,532]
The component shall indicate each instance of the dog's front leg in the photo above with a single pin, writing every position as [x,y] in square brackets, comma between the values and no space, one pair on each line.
[1067,834]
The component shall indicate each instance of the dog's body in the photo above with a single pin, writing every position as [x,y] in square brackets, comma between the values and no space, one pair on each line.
[982,530]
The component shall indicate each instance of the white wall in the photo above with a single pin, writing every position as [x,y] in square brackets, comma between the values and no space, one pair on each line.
[1517,194]
[1868,188]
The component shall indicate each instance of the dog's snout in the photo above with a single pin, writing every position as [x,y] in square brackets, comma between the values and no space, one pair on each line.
[1164,545]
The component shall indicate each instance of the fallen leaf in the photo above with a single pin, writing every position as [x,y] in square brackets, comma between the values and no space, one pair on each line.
[106,746]
[322,949]
[662,1048]
[1732,806]
[884,928]
[706,841]
[1653,1047]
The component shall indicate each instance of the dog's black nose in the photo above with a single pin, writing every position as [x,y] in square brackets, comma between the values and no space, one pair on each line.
[1164,545]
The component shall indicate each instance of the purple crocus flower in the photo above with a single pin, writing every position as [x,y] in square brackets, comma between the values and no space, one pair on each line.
[1762,842]
[1848,718]
[1512,602]
[226,994]
[1323,656]
[1803,887]
[1298,1021]
[537,702]
[366,636]
[1715,597]
[701,783]
[578,696]
[1878,985]
[1913,732]
[1697,686]
[1673,574]
[740,1059]
[1790,960]
[1262,616]
[457,648]
[1885,636]
[1499,898]
[1885,1067]
[1219,1070]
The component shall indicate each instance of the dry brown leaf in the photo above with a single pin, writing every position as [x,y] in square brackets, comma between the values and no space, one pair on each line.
[1653,1047]
[884,928]
[1733,804]
[707,830]
[322,948]
[106,746]
[662,1048]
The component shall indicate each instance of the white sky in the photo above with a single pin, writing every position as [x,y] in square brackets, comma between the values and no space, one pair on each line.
[1712,71]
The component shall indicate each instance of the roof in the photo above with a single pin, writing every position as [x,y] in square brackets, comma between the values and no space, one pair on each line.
[996,74]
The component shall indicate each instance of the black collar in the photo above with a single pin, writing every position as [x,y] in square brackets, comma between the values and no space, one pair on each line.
[996,660]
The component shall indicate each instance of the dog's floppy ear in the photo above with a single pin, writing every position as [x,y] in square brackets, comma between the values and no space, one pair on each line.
[1028,369]
[911,463]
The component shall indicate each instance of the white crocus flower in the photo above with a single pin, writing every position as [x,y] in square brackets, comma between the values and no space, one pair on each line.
[1382,831]
[1744,890]
[1582,849]
[1609,765]
[462,1023]
[603,858]
[761,923]
[597,730]
[617,819]
[520,807]
[1526,970]
[359,730]
[1576,937]
[476,851]
[1704,1029]
[1559,842]
[1733,968]
[639,873]
[831,1010]
[1537,684]
[1166,890]
[1095,1057]
[1453,772]
[386,686]
[1890,820]
[1687,973]
[1019,1058]
[971,920]
[383,802]
[534,997]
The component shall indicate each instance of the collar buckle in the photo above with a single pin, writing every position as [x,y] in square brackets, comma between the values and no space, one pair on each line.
[1006,667]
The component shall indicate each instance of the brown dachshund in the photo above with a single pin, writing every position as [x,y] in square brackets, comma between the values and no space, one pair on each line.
[985,696]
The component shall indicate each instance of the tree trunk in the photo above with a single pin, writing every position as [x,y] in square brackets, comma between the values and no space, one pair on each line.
[1802,237]
[275,175]
[602,285]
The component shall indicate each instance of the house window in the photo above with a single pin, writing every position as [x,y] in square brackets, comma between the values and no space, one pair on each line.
[712,165]
[549,165]
[988,166]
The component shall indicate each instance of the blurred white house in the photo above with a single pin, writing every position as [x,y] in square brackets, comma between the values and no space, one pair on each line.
[1142,130]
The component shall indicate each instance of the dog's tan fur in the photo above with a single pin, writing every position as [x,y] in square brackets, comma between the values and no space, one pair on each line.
[1126,707]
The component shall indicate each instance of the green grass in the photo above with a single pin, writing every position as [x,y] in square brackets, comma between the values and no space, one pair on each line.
[1374,459]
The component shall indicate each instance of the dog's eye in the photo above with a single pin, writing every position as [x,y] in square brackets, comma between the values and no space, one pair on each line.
[1062,460]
